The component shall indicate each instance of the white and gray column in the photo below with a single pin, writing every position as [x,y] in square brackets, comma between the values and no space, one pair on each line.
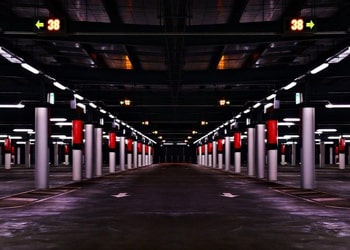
[342,148]
[134,154]
[66,154]
[227,153]
[143,154]
[27,154]
[215,154]
[220,152]
[210,154]
[260,150]
[77,152]
[89,150]
[206,155]
[122,153]
[322,158]
[331,155]
[294,154]
[18,154]
[41,148]
[98,160]
[129,149]
[8,148]
[56,154]
[237,145]
[308,148]
[112,145]
[272,145]
[139,154]
[251,151]
[283,154]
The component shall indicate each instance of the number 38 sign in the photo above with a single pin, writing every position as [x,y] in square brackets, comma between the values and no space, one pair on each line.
[300,25]
[49,25]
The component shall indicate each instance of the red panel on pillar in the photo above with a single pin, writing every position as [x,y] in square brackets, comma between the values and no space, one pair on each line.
[342,145]
[112,142]
[7,145]
[66,149]
[220,145]
[237,140]
[283,149]
[139,148]
[146,150]
[129,146]
[210,147]
[203,149]
[272,132]
[13,150]
[336,150]
[77,132]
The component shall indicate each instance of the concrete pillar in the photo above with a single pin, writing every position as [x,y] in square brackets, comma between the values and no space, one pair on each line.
[55,155]
[237,144]
[322,154]
[227,153]
[331,156]
[77,164]
[77,141]
[272,145]
[251,151]
[112,145]
[41,148]
[200,155]
[18,153]
[89,151]
[294,155]
[260,149]
[206,154]
[342,147]
[122,153]
[149,155]
[8,149]
[27,154]
[143,154]
[283,155]
[308,148]
[215,153]
[139,154]
[98,151]
[210,154]
[134,153]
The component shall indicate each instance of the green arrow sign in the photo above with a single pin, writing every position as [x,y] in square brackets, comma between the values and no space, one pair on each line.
[310,24]
[39,24]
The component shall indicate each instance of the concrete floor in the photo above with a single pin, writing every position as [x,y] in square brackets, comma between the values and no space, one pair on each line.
[174,207]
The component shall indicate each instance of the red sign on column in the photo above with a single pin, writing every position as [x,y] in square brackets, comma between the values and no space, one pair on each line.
[210,147]
[237,141]
[220,145]
[283,149]
[342,145]
[13,150]
[272,132]
[336,150]
[146,149]
[77,132]
[129,146]
[66,149]
[139,148]
[112,142]
[7,145]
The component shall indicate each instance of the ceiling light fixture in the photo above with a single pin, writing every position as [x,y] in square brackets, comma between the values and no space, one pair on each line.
[270,97]
[326,130]
[18,106]
[290,85]
[319,68]
[92,105]
[79,97]
[58,119]
[30,68]
[25,130]
[340,56]
[256,105]
[291,119]
[59,85]
[339,106]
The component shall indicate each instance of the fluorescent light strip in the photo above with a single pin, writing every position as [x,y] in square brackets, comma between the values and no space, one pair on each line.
[63,124]
[246,111]
[238,116]
[92,105]
[18,106]
[103,111]
[319,68]
[256,105]
[270,97]
[289,86]
[286,123]
[30,68]
[339,106]
[326,130]
[340,56]
[59,85]
[333,137]
[80,105]
[79,97]
[23,130]
[9,56]
[58,119]
[268,105]
[291,119]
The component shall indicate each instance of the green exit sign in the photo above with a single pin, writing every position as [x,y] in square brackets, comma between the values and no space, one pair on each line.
[49,25]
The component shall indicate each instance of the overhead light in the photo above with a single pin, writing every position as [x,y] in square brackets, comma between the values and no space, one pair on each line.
[238,116]
[25,130]
[256,105]
[168,143]
[319,68]
[286,123]
[181,144]
[155,132]
[268,105]
[82,106]
[340,56]
[291,119]
[63,124]
[287,137]
[58,119]
[31,132]
[127,102]
[339,106]
[194,132]
[16,137]
[92,105]
[246,111]
[62,137]
[203,123]
[30,68]
[334,137]
[270,97]
[146,123]
[329,142]
[59,85]
[18,106]
[103,111]
[289,86]
[9,56]
[326,130]
[189,137]
[79,97]
[111,116]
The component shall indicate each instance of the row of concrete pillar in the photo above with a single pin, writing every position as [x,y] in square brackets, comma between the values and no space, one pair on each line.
[257,151]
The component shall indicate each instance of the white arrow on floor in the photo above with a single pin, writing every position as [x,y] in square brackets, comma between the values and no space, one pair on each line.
[120,195]
[229,195]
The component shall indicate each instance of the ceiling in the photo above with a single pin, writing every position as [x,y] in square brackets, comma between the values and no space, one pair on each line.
[175,60]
